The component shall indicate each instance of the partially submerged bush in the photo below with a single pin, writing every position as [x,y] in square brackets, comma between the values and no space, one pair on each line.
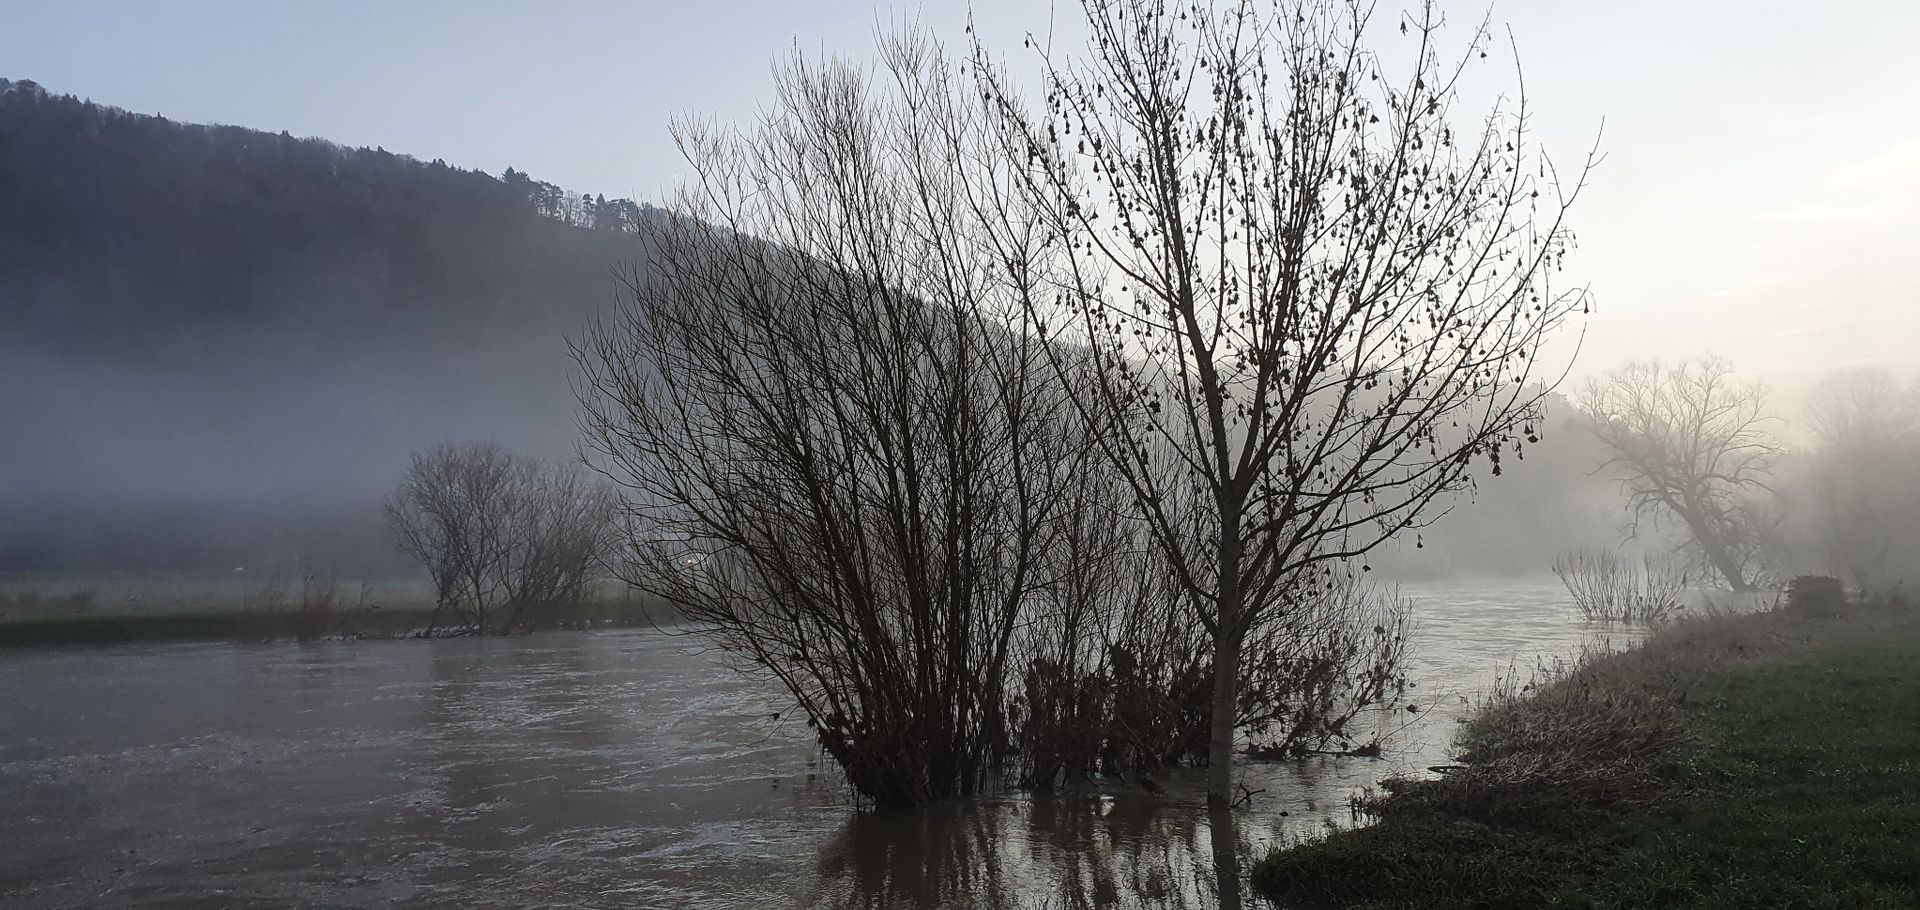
[1135,697]
[1338,653]
[1607,587]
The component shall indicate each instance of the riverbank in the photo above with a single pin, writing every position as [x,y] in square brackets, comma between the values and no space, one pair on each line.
[293,623]
[1764,760]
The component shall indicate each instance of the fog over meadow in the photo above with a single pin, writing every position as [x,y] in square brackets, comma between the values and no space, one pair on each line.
[204,369]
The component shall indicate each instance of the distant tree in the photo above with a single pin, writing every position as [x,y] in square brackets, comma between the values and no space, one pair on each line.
[1864,408]
[1313,299]
[1864,475]
[510,544]
[1692,442]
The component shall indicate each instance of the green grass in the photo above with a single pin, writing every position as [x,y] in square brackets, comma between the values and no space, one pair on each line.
[54,609]
[220,625]
[1809,781]
[1734,762]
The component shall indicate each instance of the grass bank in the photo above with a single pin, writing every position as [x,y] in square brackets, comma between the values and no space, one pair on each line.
[270,624]
[1767,760]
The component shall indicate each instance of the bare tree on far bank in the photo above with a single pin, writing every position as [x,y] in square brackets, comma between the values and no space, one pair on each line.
[1692,442]
[511,544]
[1868,512]
[1313,300]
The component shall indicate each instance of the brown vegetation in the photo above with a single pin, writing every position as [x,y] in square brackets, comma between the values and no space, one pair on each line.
[851,460]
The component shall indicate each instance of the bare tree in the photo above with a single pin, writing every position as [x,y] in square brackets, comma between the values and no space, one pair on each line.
[839,458]
[1863,409]
[562,531]
[508,542]
[1692,442]
[1312,299]
[1863,473]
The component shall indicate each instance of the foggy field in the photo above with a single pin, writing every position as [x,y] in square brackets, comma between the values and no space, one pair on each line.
[57,609]
[51,595]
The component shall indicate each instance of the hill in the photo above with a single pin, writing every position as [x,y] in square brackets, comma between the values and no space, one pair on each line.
[218,344]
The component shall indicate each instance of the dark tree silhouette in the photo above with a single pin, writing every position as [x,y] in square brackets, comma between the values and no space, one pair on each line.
[1314,298]
[839,458]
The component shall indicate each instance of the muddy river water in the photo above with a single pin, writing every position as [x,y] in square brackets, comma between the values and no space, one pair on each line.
[612,769]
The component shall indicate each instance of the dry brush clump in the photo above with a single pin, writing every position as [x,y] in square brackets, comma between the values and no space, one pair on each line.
[1125,687]
[1606,586]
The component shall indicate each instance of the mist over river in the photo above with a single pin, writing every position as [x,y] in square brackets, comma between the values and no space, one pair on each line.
[611,769]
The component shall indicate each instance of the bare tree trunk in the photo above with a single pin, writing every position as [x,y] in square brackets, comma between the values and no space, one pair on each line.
[1715,549]
[1226,688]
[1222,832]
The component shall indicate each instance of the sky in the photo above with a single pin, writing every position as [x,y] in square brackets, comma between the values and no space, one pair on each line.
[1759,196]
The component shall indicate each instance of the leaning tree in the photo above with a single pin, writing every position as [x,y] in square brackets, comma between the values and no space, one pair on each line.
[1313,296]
[1690,441]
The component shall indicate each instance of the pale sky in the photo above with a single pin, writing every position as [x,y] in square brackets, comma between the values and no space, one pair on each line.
[1760,196]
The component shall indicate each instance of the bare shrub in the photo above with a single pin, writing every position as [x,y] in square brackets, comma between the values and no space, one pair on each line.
[1135,695]
[1607,587]
[314,613]
[1337,653]
[842,463]
[511,544]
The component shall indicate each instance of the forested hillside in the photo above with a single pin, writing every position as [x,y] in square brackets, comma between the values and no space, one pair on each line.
[218,344]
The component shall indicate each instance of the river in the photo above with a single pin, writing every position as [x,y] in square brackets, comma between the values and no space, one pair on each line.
[609,769]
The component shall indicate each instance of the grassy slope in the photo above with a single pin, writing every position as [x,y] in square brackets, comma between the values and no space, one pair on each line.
[1810,777]
[1792,781]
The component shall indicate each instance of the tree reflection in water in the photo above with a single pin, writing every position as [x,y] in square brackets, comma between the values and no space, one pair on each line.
[1055,852]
